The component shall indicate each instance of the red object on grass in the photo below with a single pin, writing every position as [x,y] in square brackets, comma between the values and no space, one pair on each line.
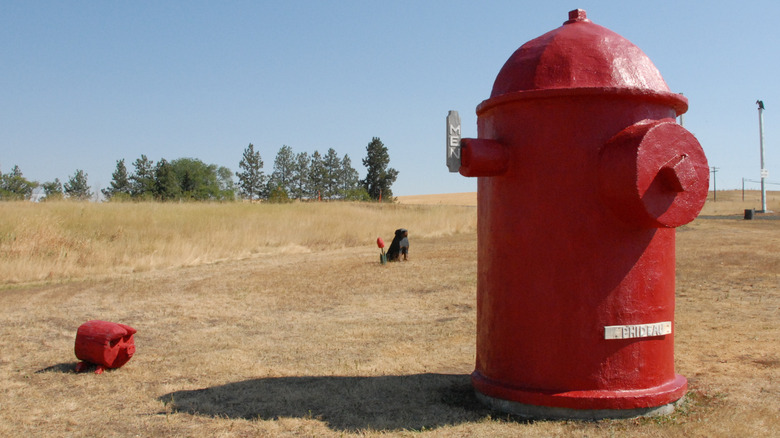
[380,243]
[105,344]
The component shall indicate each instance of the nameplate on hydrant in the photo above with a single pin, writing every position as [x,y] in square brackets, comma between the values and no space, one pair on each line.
[637,331]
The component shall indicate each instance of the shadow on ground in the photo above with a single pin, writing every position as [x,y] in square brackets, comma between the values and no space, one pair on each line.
[70,367]
[65,367]
[344,403]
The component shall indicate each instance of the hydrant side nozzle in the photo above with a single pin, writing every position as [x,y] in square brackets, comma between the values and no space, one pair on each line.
[654,174]
[482,157]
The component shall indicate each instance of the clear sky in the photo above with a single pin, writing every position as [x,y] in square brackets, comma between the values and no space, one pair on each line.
[85,83]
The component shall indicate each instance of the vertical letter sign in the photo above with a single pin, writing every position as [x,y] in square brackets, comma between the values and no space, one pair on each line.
[453,141]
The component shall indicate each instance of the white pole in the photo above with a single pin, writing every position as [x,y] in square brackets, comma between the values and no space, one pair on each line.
[761,143]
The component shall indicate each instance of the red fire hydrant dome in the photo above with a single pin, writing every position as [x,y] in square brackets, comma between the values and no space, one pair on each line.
[581,55]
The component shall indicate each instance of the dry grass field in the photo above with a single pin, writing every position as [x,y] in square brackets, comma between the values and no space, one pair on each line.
[468,199]
[278,320]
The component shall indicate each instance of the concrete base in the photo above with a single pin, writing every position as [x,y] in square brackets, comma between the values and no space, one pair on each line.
[556,413]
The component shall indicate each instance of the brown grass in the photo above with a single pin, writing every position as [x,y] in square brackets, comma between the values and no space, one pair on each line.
[731,202]
[328,342]
[468,198]
[724,202]
[63,240]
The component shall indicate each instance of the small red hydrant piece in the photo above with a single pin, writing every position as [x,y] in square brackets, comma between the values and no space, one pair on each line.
[105,344]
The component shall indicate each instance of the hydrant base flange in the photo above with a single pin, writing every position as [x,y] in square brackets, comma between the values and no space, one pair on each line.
[556,413]
[581,405]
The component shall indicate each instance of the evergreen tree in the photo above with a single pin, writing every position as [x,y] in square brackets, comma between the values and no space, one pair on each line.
[77,187]
[379,178]
[52,190]
[251,180]
[331,169]
[282,175]
[300,176]
[142,180]
[348,179]
[14,186]
[166,185]
[316,176]
[120,183]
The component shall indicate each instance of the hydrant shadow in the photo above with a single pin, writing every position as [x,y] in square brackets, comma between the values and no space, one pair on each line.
[414,402]
[65,367]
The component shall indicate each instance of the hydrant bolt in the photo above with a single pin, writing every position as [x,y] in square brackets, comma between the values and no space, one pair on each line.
[577,15]
[680,175]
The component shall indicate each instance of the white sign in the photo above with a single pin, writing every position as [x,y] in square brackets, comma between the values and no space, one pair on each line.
[453,141]
[637,331]
[764,173]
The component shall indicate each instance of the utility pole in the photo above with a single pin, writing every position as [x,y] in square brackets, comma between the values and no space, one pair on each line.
[714,171]
[764,172]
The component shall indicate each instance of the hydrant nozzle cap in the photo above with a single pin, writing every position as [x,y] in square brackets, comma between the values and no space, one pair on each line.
[577,15]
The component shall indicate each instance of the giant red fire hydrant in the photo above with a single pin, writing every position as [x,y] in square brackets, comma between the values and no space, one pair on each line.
[583,175]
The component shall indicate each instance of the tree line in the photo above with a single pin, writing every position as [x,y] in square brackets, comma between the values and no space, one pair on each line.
[15,187]
[293,176]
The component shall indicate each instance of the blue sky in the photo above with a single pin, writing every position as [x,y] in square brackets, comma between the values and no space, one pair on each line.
[84,84]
